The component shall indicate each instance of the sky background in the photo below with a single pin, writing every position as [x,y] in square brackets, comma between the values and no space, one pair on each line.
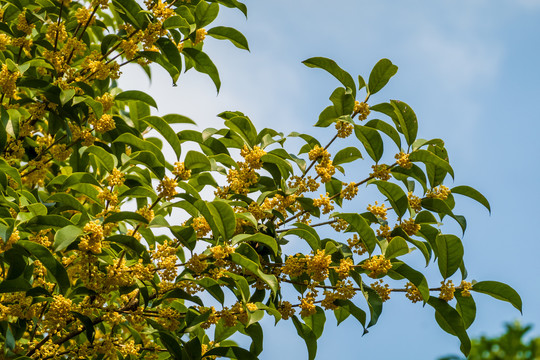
[469,69]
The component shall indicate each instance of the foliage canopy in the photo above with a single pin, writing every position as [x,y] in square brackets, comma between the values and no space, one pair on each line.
[110,250]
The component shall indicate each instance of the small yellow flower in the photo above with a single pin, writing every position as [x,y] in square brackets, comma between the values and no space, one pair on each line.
[377,265]
[447,290]
[362,109]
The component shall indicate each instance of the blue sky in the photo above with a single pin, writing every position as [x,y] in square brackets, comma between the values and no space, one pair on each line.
[470,71]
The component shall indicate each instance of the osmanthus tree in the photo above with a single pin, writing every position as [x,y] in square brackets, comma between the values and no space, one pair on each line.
[93,265]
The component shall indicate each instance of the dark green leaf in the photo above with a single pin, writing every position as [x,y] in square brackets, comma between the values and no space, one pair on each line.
[450,252]
[472,193]
[372,141]
[499,291]
[136,95]
[227,33]
[380,75]
[330,65]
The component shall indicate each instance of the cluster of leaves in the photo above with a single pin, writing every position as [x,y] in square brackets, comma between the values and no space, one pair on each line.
[508,346]
[110,250]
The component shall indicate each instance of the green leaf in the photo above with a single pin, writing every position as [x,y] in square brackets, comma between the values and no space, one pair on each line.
[171,344]
[395,195]
[427,157]
[380,75]
[307,233]
[257,238]
[472,193]
[385,128]
[66,95]
[307,334]
[166,131]
[499,291]
[205,13]
[333,68]
[227,33]
[414,276]
[346,155]
[136,95]
[196,161]
[220,217]
[450,252]
[316,322]
[178,119]
[141,144]
[48,260]
[406,117]
[466,307]
[244,128]
[44,221]
[102,157]
[175,22]
[231,352]
[396,247]
[203,63]
[88,325]
[123,216]
[359,224]
[65,236]
[372,141]
[453,321]
[68,200]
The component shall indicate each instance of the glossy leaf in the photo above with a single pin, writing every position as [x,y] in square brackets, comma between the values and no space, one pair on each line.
[372,141]
[380,75]
[499,291]
[453,321]
[333,68]
[359,224]
[227,33]
[396,247]
[472,193]
[136,95]
[450,252]
[395,195]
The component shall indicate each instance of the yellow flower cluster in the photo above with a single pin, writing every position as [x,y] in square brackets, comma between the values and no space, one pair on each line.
[377,265]
[343,290]
[167,188]
[385,232]
[104,124]
[165,257]
[23,25]
[286,310]
[107,100]
[350,191]
[8,81]
[200,34]
[465,288]
[180,171]
[413,293]
[447,290]
[357,245]
[307,304]
[197,263]
[92,240]
[240,180]
[43,237]
[111,197]
[303,184]
[377,210]
[5,40]
[60,152]
[118,275]
[380,172]
[13,238]
[220,253]
[324,169]
[440,192]
[415,202]
[324,202]
[340,224]
[201,226]
[83,16]
[146,213]
[402,160]
[315,265]
[116,177]
[381,289]
[410,226]
[14,150]
[56,32]
[344,129]
[362,109]
[38,172]
[169,318]
[279,203]
[59,313]
[345,266]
